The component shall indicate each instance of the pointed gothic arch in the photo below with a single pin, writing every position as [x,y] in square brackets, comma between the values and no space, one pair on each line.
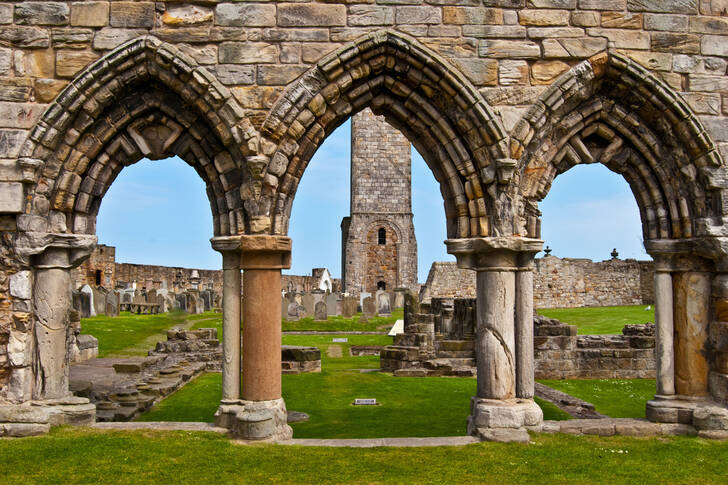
[610,110]
[419,93]
[143,99]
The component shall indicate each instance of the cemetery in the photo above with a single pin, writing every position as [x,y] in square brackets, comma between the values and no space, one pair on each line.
[147,373]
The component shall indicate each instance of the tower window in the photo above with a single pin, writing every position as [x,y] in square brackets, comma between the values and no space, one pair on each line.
[98,277]
[382,236]
[381,285]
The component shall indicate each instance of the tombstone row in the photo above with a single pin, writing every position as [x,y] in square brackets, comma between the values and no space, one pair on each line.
[322,305]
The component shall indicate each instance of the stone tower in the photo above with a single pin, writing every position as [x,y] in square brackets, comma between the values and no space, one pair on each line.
[379,249]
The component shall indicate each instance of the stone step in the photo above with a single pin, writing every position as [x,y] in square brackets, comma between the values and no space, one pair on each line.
[457,345]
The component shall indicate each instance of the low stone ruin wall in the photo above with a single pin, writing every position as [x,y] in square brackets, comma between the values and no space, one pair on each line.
[562,354]
[297,359]
[439,341]
[559,283]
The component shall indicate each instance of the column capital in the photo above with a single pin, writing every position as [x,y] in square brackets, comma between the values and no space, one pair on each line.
[494,253]
[265,252]
[55,250]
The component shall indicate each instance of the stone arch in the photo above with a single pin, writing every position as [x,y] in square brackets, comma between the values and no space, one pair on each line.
[144,99]
[609,109]
[419,93]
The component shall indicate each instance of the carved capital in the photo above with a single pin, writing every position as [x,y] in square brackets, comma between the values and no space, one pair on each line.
[494,253]
[43,248]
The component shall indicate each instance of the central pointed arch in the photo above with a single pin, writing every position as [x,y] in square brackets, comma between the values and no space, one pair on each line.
[421,94]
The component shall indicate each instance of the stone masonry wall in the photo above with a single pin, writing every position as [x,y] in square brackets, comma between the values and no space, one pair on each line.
[559,283]
[381,197]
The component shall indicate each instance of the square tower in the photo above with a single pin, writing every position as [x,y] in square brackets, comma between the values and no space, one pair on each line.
[379,249]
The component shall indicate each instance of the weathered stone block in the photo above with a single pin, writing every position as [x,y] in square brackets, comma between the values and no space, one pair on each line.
[11,198]
[42,13]
[279,75]
[21,36]
[543,17]
[108,38]
[6,61]
[90,14]
[585,19]
[481,72]
[46,90]
[545,72]
[235,74]
[670,23]
[580,48]
[495,31]
[312,52]
[418,15]
[512,72]
[623,39]
[247,53]
[662,6]
[186,15]
[709,25]
[680,43]
[311,15]
[365,15]
[602,4]
[504,49]
[10,143]
[245,14]
[132,14]
[71,38]
[6,13]
[703,103]
[471,15]
[70,62]
[14,89]
[713,45]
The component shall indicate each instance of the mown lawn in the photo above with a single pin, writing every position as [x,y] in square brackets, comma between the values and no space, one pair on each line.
[71,456]
[433,406]
[601,320]
[617,398]
[130,334]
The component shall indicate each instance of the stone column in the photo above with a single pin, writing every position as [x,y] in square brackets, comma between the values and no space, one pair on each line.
[261,413]
[692,315]
[497,412]
[664,351]
[524,327]
[230,250]
[52,305]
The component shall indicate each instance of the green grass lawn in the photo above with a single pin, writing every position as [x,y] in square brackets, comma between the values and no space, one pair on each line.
[601,320]
[130,334]
[71,456]
[617,398]
[433,406]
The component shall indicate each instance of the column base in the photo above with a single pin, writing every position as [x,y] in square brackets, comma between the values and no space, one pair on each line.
[702,413]
[503,419]
[36,417]
[255,420]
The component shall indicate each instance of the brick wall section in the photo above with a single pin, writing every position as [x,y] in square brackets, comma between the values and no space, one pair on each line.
[559,283]
[381,198]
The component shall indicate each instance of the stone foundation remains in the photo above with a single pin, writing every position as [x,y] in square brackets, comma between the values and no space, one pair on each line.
[439,341]
[559,283]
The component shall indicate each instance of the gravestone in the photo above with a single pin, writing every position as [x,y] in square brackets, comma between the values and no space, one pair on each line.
[411,309]
[369,309]
[383,303]
[127,296]
[112,304]
[181,301]
[399,297]
[307,303]
[320,313]
[331,300]
[99,300]
[152,296]
[363,295]
[348,306]
[293,311]
[86,299]
[443,309]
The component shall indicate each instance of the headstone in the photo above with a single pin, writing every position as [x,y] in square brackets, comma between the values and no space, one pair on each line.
[99,300]
[399,297]
[348,306]
[181,301]
[307,302]
[331,300]
[292,311]
[162,302]
[443,309]
[339,306]
[87,302]
[152,296]
[127,297]
[362,296]
[411,309]
[320,313]
[369,309]
[112,304]
[383,303]
[464,315]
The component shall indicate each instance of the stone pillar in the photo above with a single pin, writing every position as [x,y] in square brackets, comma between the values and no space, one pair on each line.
[230,319]
[261,413]
[664,351]
[524,327]
[499,412]
[52,305]
[692,316]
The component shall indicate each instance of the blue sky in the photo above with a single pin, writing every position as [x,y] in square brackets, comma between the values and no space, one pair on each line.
[157,212]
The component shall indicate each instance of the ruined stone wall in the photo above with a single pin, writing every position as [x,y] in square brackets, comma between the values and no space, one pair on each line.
[98,269]
[559,283]
[381,198]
